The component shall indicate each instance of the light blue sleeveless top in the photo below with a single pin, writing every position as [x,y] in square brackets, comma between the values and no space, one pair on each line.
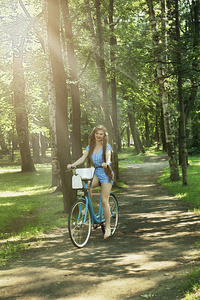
[97,159]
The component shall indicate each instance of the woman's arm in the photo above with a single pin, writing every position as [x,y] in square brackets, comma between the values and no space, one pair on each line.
[78,161]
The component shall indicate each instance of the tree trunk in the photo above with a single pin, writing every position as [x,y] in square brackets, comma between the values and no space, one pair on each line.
[20,110]
[170,141]
[128,136]
[98,52]
[76,112]
[61,101]
[44,145]
[147,131]
[162,127]
[4,149]
[51,101]
[157,132]
[195,7]
[182,131]
[36,148]
[102,71]
[113,91]
[136,138]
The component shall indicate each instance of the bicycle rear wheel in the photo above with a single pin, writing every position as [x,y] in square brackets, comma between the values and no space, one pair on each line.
[114,213]
[79,224]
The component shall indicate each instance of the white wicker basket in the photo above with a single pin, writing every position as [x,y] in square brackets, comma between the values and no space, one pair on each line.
[85,173]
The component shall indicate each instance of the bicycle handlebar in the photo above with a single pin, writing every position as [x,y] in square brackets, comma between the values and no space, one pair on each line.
[73,168]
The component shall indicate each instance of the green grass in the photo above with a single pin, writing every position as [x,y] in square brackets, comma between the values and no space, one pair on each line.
[129,156]
[28,207]
[189,194]
[191,286]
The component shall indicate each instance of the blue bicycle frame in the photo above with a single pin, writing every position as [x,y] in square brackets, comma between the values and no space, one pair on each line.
[96,219]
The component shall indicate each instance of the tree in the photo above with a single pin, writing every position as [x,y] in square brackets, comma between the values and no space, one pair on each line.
[182,130]
[137,142]
[59,78]
[20,107]
[50,86]
[98,52]
[113,90]
[76,113]
[168,124]
[56,180]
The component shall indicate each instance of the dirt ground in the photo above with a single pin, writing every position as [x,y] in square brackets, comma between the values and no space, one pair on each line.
[147,258]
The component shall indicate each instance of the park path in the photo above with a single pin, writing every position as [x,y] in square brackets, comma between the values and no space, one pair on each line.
[152,250]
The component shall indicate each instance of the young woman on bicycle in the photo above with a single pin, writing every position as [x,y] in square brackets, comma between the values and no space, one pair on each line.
[98,153]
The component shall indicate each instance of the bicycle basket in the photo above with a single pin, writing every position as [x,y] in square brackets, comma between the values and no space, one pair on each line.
[77,182]
[85,173]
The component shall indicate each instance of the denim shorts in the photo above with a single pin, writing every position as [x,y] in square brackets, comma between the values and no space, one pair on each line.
[103,178]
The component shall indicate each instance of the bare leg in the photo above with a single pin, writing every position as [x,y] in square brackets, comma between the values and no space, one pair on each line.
[105,193]
[95,183]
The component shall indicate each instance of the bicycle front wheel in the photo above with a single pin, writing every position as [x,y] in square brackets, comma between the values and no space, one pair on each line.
[79,224]
[114,213]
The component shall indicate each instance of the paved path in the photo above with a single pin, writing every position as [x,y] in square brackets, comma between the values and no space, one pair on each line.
[151,251]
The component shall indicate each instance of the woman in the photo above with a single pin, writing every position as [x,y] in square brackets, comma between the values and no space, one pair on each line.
[98,153]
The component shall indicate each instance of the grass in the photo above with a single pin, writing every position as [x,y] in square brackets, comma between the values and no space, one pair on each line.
[129,155]
[28,207]
[191,286]
[190,195]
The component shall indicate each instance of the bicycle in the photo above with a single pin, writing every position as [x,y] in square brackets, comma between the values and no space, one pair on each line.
[82,216]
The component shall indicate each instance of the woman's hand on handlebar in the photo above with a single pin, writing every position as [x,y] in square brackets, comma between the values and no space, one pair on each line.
[69,166]
[104,165]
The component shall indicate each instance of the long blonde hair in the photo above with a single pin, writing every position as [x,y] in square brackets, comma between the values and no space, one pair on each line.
[92,144]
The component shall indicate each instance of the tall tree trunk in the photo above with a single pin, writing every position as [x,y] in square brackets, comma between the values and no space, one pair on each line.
[98,53]
[20,109]
[76,112]
[136,138]
[182,131]
[56,181]
[3,144]
[113,91]
[102,70]
[189,104]
[128,136]
[170,141]
[44,145]
[36,147]
[51,90]
[61,101]
[157,132]
[162,127]
[147,131]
